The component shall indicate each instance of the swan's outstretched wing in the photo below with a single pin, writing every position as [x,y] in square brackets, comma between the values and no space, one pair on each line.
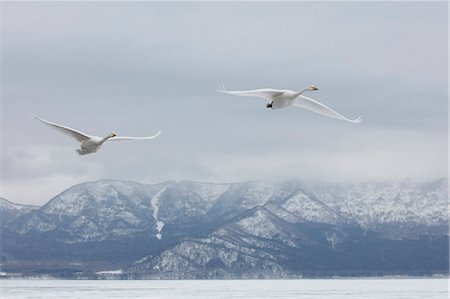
[313,105]
[80,136]
[120,138]
[265,93]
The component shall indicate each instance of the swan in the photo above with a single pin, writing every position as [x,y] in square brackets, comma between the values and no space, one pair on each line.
[282,98]
[90,144]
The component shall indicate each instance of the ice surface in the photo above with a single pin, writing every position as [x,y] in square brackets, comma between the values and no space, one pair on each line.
[211,289]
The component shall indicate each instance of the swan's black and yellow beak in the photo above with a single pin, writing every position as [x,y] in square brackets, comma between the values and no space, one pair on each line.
[113,134]
[313,87]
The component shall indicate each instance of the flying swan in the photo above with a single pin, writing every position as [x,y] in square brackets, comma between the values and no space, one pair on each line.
[284,98]
[90,144]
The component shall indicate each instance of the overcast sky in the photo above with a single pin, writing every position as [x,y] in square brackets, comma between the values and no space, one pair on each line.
[140,67]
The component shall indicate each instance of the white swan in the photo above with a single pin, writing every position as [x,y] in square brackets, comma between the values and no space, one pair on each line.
[90,144]
[284,98]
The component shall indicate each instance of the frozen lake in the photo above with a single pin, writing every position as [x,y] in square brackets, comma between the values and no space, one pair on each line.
[305,288]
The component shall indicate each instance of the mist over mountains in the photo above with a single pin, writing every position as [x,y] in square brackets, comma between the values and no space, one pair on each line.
[185,229]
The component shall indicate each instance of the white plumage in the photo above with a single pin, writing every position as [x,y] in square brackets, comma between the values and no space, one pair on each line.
[282,98]
[88,143]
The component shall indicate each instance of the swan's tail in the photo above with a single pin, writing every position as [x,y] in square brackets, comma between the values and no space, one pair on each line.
[81,152]
[357,121]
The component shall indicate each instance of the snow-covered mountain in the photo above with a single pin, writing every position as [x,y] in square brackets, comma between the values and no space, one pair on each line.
[10,211]
[93,212]
[402,202]
[254,229]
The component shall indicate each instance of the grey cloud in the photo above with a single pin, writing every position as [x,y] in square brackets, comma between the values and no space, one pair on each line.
[143,66]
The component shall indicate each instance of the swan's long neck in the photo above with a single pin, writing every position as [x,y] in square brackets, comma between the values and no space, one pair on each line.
[303,90]
[105,138]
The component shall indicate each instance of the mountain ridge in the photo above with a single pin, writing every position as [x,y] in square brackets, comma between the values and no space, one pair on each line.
[290,230]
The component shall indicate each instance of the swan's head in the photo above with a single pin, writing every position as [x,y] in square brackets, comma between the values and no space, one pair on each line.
[113,134]
[313,87]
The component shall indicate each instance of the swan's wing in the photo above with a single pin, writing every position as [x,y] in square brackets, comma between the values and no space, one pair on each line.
[313,105]
[80,136]
[120,138]
[265,93]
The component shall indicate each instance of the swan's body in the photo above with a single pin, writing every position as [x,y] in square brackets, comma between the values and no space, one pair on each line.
[282,98]
[90,144]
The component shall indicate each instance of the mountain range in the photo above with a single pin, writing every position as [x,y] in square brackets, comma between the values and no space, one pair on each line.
[186,230]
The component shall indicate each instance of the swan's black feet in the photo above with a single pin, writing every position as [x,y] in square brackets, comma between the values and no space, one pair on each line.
[269,105]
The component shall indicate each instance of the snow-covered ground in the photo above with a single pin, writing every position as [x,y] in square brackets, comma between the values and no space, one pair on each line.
[154,202]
